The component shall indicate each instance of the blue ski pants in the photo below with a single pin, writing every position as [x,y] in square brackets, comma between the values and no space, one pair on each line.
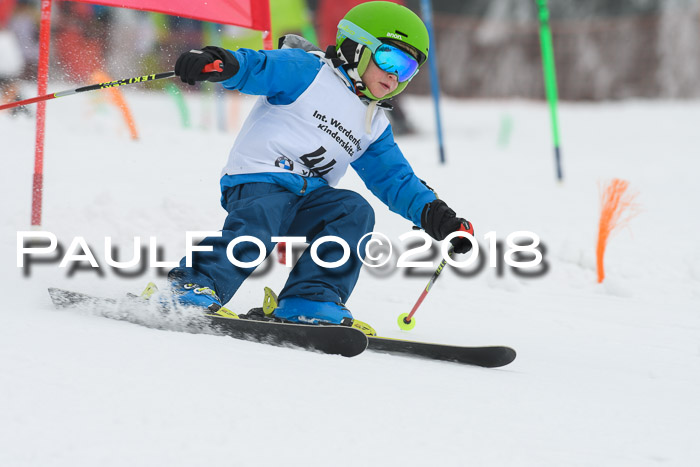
[266,210]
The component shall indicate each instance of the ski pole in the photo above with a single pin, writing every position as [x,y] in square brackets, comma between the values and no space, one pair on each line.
[215,66]
[406,321]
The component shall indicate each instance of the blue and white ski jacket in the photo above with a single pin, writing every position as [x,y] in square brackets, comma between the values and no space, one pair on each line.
[308,126]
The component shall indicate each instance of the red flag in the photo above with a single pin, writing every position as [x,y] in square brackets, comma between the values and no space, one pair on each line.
[252,14]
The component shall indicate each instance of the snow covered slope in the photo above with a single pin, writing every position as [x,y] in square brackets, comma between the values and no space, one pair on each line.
[606,375]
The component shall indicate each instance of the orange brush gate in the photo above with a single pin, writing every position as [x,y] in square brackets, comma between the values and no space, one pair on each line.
[616,202]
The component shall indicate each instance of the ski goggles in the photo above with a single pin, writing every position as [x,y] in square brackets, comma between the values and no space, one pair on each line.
[386,56]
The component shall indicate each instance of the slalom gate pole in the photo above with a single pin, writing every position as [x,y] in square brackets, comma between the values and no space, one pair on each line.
[216,66]
[550,79]
[427,11]
[406,321]
[42,80]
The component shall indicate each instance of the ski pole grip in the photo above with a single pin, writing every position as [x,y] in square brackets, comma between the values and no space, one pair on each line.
[216,66]
[466,226]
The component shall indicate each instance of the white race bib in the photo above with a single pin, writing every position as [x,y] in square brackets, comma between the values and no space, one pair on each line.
[318,135]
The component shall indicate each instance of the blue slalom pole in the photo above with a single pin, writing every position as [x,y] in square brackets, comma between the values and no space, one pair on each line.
[427,10]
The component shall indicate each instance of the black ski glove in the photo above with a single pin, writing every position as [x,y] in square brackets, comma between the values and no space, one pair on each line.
[438,220]
[189,65]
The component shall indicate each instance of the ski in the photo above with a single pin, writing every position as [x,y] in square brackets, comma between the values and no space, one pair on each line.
[488,357]
[336,340]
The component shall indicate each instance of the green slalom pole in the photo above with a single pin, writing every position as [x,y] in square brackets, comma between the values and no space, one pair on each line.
[174,91]
[550,79]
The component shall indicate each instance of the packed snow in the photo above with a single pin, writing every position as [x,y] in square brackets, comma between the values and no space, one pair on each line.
[606,374]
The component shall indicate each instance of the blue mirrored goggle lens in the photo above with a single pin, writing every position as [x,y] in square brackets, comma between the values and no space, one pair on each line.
[395,61]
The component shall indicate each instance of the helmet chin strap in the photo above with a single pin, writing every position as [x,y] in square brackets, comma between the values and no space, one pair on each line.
[352,63]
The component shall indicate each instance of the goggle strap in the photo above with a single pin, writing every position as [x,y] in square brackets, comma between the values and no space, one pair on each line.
[355,33]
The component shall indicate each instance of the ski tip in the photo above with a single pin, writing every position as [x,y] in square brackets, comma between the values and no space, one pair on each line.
[505,356]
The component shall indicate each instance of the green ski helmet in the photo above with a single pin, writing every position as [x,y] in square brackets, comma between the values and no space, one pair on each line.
[389,22]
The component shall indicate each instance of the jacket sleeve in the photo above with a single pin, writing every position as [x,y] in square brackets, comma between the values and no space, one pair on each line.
[281,75]
[389,176]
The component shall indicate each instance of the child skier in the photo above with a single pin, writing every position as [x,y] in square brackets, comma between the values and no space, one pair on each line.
[318,114]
